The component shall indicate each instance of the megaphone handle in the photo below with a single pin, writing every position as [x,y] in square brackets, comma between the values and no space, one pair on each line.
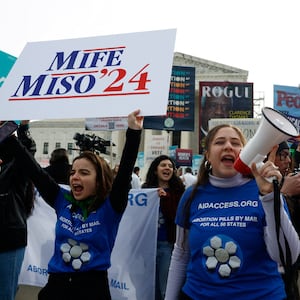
[269,179]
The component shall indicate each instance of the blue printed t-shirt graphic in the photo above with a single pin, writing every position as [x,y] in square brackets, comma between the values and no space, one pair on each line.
[75,253]
[222,255]
[226,238]
[83,244]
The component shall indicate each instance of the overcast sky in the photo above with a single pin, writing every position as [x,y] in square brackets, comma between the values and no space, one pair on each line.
[259,36]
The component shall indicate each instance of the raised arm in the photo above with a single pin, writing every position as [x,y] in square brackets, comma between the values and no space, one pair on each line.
[121,184]
[11,148]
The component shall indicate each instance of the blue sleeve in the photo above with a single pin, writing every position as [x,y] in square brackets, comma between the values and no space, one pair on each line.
[181,211]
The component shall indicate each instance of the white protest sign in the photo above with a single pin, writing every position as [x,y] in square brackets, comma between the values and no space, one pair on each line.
[40,245]
[247,125]
[106,124]
[132,272]
[105,76]
[156,145]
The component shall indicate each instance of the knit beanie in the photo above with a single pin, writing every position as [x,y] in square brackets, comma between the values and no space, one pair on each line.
[282,146]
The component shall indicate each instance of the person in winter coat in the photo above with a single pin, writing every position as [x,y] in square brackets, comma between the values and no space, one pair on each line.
[16,203]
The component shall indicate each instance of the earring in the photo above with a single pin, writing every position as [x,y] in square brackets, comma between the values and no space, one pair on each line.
[207,166]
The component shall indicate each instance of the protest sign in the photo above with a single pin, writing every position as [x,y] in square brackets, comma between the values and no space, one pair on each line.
[6,63]
[105,76]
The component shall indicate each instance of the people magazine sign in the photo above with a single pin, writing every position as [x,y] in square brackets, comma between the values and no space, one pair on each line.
[104,76]
[287,101]
[233,100]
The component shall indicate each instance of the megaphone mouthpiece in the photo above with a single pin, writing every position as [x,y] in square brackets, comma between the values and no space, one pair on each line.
[273,129]
[241,167]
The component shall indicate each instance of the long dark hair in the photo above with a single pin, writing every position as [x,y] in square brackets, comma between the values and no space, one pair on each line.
[104,177]
[175,183]
[204,170]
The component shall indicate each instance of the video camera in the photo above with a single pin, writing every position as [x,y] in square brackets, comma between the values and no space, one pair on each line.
[93,143]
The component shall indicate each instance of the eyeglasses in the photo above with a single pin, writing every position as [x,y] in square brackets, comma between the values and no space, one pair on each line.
[283,156]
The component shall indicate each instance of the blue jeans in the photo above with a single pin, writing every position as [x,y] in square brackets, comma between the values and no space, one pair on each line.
[163,258]
[10,267]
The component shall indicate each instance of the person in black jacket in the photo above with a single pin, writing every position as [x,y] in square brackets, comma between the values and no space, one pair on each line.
[59,168]
[16,203]
[88,216]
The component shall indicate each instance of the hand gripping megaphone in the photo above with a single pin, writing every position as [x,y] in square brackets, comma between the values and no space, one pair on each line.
[274,128]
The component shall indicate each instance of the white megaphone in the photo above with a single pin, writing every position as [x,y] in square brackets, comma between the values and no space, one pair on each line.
[274,128]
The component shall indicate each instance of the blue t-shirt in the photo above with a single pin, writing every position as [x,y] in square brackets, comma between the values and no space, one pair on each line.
[162,230]
[83,244]
[229,259]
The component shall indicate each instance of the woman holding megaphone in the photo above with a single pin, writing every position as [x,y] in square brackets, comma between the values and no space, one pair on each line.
[226,244]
